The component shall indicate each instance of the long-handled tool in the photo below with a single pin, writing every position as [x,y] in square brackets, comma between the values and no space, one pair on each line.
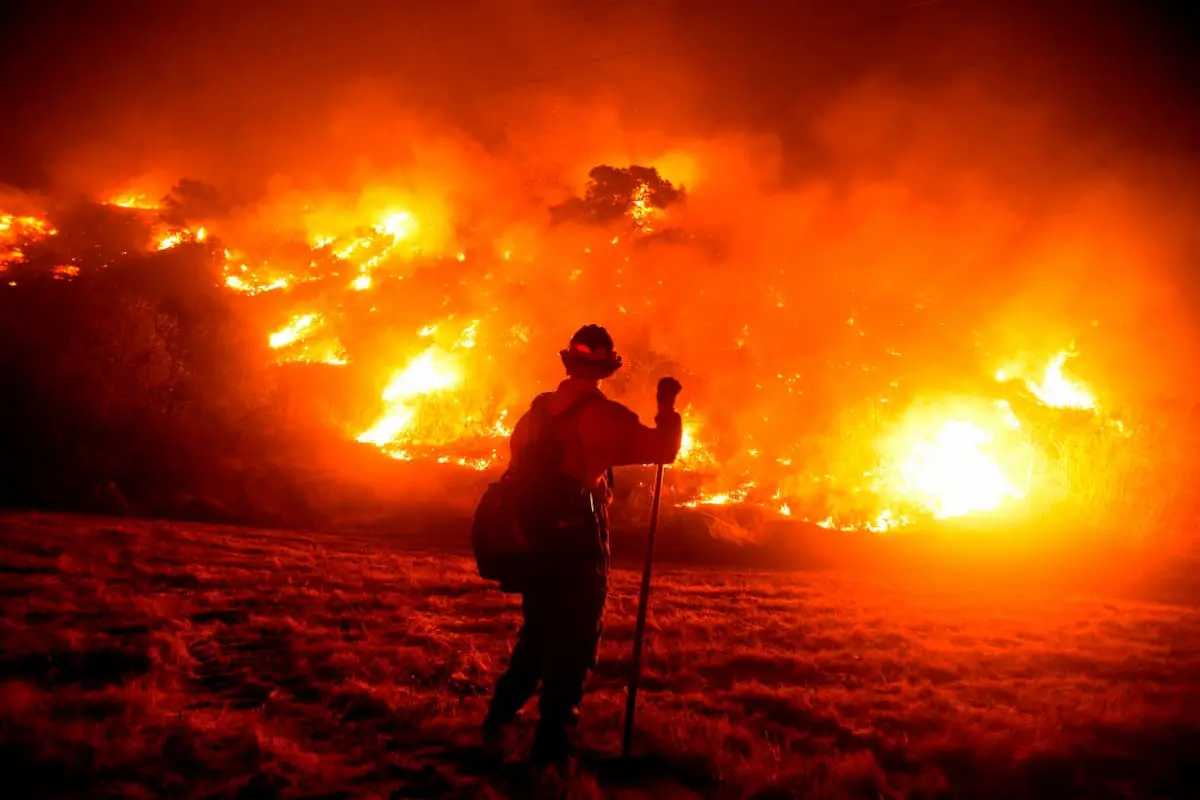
[643,605]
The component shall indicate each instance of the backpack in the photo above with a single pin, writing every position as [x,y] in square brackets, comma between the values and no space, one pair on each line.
[526,502]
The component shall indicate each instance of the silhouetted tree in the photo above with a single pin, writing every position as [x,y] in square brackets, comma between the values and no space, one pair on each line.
[611,193]
[191,200]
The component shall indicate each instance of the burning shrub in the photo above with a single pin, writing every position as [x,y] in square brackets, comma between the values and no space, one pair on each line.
[821,388]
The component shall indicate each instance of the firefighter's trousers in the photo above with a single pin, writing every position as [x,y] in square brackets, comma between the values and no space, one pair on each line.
[563,610]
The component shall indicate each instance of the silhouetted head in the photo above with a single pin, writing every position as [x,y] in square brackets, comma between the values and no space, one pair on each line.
[590,354]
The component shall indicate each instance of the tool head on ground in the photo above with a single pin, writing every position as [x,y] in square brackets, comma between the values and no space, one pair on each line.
[590,354]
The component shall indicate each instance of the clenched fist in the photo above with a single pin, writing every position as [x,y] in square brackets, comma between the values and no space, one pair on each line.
[668,390]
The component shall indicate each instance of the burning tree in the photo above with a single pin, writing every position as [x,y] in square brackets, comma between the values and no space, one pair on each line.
[612,193]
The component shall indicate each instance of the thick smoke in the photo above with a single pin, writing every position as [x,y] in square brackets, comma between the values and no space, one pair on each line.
[892,197]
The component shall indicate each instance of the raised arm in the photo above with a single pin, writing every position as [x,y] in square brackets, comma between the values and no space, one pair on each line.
[636,443]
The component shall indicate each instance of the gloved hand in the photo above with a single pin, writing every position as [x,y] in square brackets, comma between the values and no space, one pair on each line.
[668,390]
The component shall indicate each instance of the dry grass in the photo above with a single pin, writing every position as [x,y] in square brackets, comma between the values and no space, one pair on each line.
[146,659]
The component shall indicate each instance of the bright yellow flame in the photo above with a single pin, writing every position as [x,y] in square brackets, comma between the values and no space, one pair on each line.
[886,521]
[237,283]
[429,373]
[170,240]
[293,336]
[641,211]
[693,452]
[137,201]
[327,353]
[361,283]
[301,326]
[500,428]
[399,225]
[883,522]
[687,441]
[1057,390]
[467,340]
[731,497]
[12,227]
[954,474]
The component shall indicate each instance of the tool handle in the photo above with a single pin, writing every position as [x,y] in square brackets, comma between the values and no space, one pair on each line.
[643,606]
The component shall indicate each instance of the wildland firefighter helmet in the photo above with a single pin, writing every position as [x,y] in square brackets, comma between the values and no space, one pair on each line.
[590,354]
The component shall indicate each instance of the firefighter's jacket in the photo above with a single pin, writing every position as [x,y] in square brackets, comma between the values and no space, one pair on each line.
[603,434]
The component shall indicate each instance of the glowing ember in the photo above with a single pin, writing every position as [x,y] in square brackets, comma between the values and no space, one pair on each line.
[882,522]
[10,255]
[731,497]
[18,230]
[327,353]
[500,428]
[467,340]
[237,283]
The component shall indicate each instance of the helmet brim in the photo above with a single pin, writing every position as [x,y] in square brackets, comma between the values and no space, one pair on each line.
[601,367]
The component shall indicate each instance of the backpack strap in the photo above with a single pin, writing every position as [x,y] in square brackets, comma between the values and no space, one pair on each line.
[548,425]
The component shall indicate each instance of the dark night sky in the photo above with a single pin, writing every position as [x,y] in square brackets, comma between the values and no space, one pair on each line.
[115,82]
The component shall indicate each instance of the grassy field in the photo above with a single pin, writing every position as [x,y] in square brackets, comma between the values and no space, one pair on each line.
[143,659]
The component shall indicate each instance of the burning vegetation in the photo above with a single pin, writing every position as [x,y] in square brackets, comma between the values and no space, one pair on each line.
[951,295]
[445,328]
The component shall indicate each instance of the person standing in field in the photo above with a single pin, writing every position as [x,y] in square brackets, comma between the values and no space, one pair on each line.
[566,446]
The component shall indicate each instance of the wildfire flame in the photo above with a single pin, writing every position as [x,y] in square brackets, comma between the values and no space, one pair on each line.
[953,473]
[694,452]
[733,496]
[293,338]
[641,211]
[300,326]
[939,461]
[131,200]
[16,231]
[1057,390]
[431,372]
[177,237]
[1053,387]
